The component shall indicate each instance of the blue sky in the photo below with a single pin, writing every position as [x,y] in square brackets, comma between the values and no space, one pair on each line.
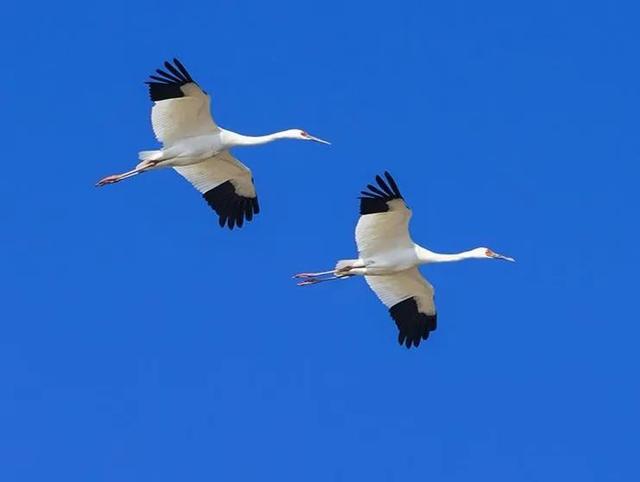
[141,342]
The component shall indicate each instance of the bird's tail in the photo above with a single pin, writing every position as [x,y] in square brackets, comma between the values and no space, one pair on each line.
[344,263]
[146,156]
[150,155]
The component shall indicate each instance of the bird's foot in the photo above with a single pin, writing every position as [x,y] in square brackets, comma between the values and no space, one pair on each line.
[108,180]
[307,282]
[304,275]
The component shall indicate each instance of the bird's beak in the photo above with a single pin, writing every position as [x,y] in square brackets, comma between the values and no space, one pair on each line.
[506,258]
[317,139]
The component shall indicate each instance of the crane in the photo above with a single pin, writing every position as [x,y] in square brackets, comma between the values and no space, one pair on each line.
[389,259]
[198,149]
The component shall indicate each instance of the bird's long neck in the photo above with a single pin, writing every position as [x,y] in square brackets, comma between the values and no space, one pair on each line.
[233,139]
[425,256]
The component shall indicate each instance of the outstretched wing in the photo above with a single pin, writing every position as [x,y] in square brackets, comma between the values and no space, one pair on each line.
[182,108]
[384,220]
[409,298]
[227,186]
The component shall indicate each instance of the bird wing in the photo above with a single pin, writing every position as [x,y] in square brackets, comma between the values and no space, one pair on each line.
[227,186]
[181,108]
[409,297]
[384,219]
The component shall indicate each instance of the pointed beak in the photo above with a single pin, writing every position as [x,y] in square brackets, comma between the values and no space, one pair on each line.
[505,258]
[317,139]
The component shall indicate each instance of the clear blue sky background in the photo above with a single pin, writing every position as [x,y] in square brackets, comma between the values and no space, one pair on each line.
[141,342]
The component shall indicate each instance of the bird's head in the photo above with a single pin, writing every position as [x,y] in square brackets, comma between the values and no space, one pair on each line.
[301,135]
[486,253]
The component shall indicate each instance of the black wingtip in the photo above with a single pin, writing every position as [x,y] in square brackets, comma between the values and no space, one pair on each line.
[182,69]
[392,184]
[376,198]
[233,209]
[169,77]
[167,84]
[175,72]
[413,326]
[162,91]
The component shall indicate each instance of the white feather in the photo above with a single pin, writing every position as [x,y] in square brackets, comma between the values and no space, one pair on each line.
[189,116]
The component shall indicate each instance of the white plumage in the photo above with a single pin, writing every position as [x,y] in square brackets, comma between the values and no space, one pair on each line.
[198,149]
[388,259]
[397,287]
[214,171]
[183,117]
[385,232]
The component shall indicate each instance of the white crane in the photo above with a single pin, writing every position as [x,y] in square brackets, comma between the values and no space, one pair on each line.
[388,259]
[198,149]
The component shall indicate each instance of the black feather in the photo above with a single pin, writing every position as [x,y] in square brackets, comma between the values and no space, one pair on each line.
[366,194]
[167,85]
[248,210]
[376,199]
[377,191]
[373,205]
[413,326]
[384,187]
[159,79]
[183,70]
[231,207]
[169,77]
[392,183]
[239,213]
[158,91]
[175,72]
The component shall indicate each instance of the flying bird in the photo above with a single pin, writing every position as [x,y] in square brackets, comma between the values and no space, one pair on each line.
[388,259]
[198,149]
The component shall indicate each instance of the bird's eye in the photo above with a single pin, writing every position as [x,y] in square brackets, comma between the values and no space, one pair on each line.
[304,134]
[489,253]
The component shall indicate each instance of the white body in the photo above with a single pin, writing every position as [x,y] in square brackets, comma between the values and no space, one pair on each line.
[385,245]
[197,148]
[191,150]
[389,259]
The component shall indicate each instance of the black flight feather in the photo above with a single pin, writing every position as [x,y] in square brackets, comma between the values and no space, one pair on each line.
[167,85]
[232,208]
[413,326]
[376,198]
